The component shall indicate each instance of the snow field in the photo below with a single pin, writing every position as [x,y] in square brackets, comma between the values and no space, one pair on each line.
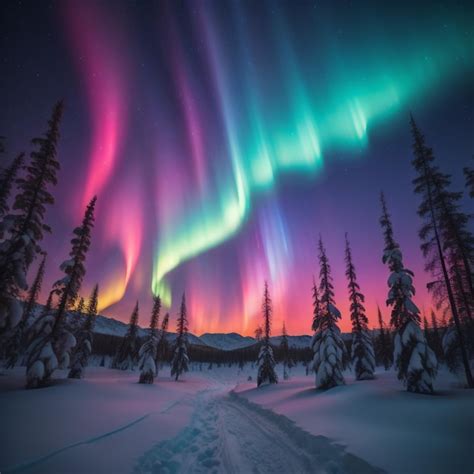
[215,421]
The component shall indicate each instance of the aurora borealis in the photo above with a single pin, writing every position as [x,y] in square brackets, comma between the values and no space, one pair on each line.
[222,137]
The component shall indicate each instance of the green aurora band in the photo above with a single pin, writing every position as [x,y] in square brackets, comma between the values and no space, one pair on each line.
[285,112]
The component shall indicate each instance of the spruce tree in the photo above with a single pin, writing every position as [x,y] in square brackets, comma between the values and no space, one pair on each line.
[266,361]
[415,361]
[285,353]
[76,319]
[83,349]
[7,179]
[50,350]
[22,232]
[448,245]
[148,350]
[180,361]
[327,344]
[469,174]
[383,343]
[80,306]
[16,342]
[162,346]
[127,354]
[362,354]
[316,307]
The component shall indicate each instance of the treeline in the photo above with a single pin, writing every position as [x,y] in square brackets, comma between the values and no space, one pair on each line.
[47,341]
[447,244]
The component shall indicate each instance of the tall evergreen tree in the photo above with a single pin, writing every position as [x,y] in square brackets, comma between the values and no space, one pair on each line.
[80,306]
[162,346]
[180,361]
[15,343]
[76,320]
[448,245]
[266,361]
[415,361]
[327,344]
[469,174]
[362,354]
[127,354]
[285,353]
[7,179]
[83,349]
[22,232]
[383,343]
[316,307]
[50,350]
[148,350]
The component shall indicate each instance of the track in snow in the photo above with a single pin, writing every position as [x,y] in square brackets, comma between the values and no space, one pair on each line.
[228,434]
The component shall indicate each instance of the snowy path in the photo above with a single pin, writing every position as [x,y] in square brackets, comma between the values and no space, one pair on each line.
[228,434]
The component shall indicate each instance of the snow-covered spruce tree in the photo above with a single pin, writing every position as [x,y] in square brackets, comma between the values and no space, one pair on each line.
[83,349]
[162,346]
[447,243]
[22,231]
[180,361]
[50,350]
[126,357]
[16,342]
[266,361]
[415,362]
[383,344]
[327,344]
[285,353]
[7,179]
[362,353]
[149,347]
[469,174]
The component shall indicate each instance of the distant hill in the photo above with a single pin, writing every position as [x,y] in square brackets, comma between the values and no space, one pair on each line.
[227,342]
[223,341]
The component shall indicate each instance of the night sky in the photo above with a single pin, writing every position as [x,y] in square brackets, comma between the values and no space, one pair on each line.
[222,137]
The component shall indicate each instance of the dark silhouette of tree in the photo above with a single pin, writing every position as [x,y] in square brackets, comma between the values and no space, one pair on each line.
[127,355]
[469,174]
[7,179]
[383,343]
[316,307]
[266,361]
[362,353]
[180,361]
[162,346]
[285,353]
[447,244]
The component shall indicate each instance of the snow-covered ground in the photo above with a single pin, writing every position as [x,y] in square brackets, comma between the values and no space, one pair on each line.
[217,421]
[380,422]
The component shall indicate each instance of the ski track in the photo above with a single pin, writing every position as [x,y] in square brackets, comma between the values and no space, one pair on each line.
[28,464]
[228,434]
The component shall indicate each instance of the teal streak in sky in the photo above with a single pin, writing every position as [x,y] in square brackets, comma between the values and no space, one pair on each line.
[287,97]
